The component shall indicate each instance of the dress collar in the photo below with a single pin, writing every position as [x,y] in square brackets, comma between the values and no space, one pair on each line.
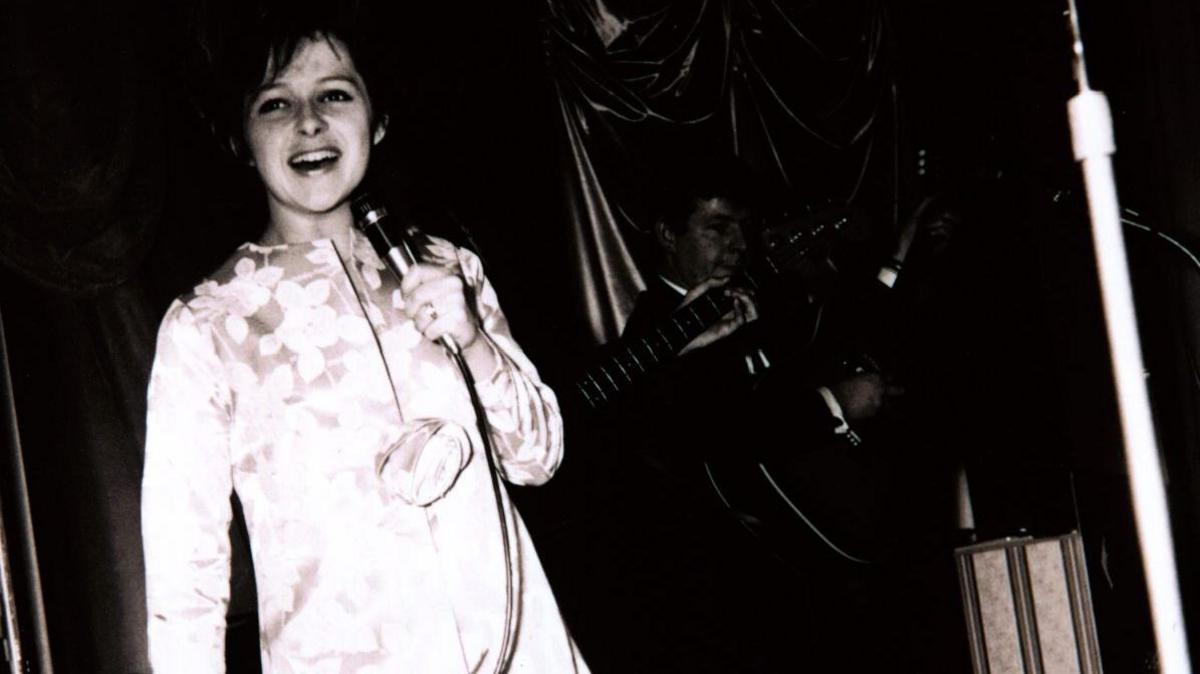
[360,248]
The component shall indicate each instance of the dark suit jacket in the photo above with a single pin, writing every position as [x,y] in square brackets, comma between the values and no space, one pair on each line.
[708,404]
[673,554]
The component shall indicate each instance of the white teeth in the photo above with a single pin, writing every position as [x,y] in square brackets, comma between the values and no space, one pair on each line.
[314,156]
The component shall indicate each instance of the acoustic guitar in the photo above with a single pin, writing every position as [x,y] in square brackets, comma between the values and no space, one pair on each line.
[834,499]
[824,498]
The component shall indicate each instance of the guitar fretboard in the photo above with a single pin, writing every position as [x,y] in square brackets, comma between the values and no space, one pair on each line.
[638,354]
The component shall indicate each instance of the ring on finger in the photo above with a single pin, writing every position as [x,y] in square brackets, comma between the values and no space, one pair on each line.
[428,308]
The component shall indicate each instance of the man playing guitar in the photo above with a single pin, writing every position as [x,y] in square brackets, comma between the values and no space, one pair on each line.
[700,587]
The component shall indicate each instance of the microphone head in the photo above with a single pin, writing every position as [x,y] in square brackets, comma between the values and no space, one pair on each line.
[366,210]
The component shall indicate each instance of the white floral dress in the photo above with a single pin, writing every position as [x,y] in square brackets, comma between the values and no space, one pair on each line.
[283,379]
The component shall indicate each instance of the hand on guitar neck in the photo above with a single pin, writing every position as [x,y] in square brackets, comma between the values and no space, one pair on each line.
[744,311]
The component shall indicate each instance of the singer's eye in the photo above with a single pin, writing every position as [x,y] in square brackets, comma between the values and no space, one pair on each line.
[271,105]
[335,96]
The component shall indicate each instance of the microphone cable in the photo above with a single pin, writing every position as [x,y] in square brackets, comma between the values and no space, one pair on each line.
[494,472]
[399,258]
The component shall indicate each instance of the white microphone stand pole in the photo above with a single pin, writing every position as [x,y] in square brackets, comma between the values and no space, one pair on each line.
[1092,139]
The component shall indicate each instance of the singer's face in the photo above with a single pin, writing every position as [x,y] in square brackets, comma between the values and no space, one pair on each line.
[712,246]
[309,131]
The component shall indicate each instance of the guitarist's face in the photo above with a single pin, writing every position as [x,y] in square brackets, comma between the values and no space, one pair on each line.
[713,245]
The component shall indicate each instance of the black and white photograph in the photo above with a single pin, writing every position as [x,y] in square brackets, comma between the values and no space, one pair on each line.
[600,337]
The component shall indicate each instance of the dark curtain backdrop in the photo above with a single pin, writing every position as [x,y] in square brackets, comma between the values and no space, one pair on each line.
[82,168]
[1170,91]
[531,132]
[800,92]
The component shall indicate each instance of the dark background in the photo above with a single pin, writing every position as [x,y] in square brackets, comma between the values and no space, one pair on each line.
[114,198]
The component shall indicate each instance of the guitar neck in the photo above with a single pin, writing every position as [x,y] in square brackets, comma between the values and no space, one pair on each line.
[638,354]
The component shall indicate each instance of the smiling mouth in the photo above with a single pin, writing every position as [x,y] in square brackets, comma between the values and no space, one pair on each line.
[314,161]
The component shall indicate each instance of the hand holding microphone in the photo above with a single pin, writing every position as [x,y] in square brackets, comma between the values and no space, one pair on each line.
[435,300]
[434,296]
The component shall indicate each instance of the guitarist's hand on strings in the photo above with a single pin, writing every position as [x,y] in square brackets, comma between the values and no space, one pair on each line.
[744,311]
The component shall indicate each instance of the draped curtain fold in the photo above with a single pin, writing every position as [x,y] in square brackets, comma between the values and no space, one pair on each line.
[1170,78]
[796,92]
[82,190]
[81,170]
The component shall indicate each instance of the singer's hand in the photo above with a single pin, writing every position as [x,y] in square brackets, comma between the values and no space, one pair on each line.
[435,300]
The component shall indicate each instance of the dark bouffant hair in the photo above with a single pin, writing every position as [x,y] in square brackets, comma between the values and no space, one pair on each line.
[260,47]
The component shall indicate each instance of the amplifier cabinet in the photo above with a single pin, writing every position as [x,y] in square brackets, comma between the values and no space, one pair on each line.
[1028,607]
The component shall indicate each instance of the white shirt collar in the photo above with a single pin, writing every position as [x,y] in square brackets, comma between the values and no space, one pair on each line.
[673,285]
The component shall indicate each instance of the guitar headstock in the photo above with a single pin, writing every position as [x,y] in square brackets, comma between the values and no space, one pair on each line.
[790,240]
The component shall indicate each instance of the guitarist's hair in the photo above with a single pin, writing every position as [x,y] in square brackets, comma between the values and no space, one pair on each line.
[684,187]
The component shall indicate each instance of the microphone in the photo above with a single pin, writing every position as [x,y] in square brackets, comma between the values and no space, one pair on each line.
[396,252]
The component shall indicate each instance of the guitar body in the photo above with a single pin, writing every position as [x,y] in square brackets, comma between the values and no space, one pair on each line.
[822,505]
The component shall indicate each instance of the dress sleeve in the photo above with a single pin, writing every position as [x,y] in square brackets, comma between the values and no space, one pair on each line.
[522,411]
[186,487]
